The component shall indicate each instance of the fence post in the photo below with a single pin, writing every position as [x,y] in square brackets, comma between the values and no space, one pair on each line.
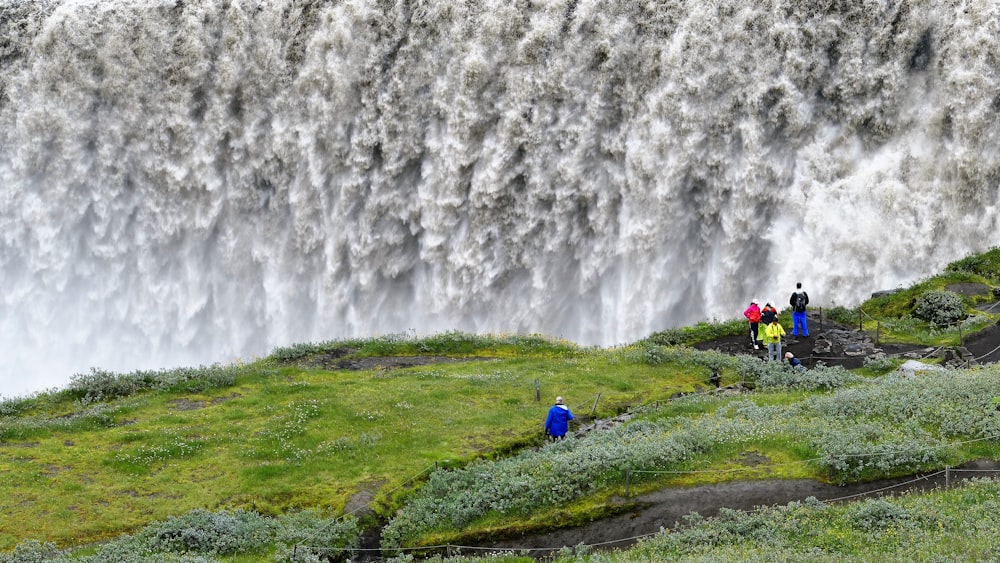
[878,331]
[861,325]
[947,477]
[628,481]
[821,319]
[538,391]
[594,409]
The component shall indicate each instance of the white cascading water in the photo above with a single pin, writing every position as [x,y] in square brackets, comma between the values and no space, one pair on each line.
[188,182]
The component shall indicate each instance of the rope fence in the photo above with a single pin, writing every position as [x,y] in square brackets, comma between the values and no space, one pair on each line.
[451,549]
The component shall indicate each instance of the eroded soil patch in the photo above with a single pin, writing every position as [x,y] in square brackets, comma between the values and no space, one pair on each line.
[190,405]
[396,362]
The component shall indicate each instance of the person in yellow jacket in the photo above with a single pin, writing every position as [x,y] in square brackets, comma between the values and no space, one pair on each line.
[773,333]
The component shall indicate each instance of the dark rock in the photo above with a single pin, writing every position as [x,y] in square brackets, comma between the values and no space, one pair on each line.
[884,292]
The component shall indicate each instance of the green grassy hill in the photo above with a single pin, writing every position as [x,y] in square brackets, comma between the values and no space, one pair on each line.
[114,452]
[295,456]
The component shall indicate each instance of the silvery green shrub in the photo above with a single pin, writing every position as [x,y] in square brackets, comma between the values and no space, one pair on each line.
[878,514]
[34,551]
[848,450]
[215,533]
[879,363]
[752,369]
[939,307]
[308,535]
[102,385]
[815,379]
[14,406]
[127,549]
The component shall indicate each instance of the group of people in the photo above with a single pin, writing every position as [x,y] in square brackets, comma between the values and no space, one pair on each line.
[772,333]
[557,421]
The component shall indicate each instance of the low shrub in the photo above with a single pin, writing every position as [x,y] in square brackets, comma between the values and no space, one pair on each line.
[879,363]
[201,536]
[940,307]
[16,406]
[309,536]
[84,417]
[34,551]
[878,514]
[454,343]
[214,533]
[752,370]
[871,449]
[820,378]
[102,385]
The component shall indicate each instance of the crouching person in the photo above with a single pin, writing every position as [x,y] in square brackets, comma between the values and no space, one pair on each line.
[794,362]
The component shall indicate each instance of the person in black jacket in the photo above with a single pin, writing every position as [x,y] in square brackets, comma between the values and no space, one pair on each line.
[798,301]
[768,314]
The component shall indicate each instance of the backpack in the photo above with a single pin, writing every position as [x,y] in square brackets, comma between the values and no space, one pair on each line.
[799,302]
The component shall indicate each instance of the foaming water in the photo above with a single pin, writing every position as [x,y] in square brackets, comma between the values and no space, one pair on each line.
[194,182]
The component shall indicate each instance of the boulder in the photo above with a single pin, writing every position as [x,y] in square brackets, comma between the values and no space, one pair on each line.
[912,367]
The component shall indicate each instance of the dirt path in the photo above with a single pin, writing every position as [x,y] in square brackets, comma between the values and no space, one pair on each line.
[667,507]
[836,344]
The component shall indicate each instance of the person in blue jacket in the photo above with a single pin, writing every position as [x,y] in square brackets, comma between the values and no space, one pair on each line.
[794,362]
[557,423]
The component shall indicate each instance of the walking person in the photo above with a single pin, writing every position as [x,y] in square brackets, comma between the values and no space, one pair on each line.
[798,301]
[752,313]
[772,338]
[557,423]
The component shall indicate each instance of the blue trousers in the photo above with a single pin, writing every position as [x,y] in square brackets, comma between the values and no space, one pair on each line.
[799,325]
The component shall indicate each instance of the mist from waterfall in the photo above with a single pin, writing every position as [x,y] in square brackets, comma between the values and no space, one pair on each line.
[191,182]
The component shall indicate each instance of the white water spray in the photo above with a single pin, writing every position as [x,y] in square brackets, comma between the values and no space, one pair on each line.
[188,182]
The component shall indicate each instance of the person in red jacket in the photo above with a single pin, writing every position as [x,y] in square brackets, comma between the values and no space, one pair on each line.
[753,315]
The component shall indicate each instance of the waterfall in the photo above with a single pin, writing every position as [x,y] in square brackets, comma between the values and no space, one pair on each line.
[194,181]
